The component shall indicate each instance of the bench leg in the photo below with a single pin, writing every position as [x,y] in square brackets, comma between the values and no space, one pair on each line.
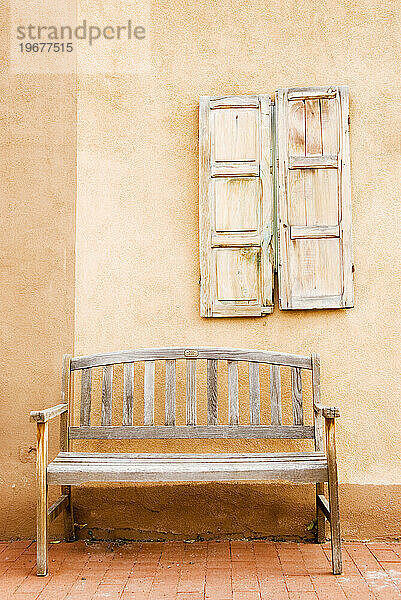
[41,517]
[69,530]
[320,518]
[333,498]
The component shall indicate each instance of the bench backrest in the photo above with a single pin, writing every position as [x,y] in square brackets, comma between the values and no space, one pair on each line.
[191,355]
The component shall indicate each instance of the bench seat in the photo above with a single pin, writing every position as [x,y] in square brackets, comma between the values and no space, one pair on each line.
[74,468]
[215,407]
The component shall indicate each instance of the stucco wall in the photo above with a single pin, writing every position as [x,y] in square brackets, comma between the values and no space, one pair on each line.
[37,266]
[137,267]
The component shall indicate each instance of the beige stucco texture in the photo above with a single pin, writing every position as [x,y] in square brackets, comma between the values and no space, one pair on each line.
[137,254]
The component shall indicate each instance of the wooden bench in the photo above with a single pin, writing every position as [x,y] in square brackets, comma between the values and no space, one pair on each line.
[73,468]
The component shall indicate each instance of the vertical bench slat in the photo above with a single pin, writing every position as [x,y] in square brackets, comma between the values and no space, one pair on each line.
[212,406]
[170,392]
[254,393]
[86,390]
[296,387]
[149,392]
[233,403]
[128,397]
[107,386]
[319,419]
[191,391]
[275,395]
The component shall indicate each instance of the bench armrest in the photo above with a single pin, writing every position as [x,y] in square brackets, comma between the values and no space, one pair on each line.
[42,416]
[328,412]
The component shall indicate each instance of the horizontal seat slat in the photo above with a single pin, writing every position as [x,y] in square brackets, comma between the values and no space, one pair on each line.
[277,358]
[72,457]
[192,432]
[72,469]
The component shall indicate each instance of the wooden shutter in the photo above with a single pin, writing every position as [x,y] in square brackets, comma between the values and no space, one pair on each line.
[235,205]
[314,200]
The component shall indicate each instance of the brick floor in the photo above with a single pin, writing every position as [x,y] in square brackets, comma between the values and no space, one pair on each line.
[237,570]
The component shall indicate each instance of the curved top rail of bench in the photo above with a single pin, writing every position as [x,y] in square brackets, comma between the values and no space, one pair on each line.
[143,354]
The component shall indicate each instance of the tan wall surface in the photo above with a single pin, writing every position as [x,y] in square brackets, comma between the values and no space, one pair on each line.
[37,265]
[137,265]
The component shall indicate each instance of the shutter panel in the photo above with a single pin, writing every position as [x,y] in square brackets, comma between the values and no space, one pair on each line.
[235,206]
[314,198]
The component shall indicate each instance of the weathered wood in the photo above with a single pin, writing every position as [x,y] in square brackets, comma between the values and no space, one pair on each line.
[41,479]
[57,507]
[333,496]
[254,394]
[235,133]
[149,393]
[237,275]
[275,395]
[234,101]
[66,395]
[212,404]
[267,200]
[313,162]
[296,128]
[199,431]
[242,169]
[230,223]
[70,468]
[235,240]
[205,208]
[296,393]
[328,412]
[276,358]
[86,394]
[319,446]
[162,456]
[311,92]
[170,392]
[348,261]
[329,125]
[235,205]
[233,401]
[328,301]
[313,129]
[128,394]
[315,266]
[189,467]
[42,416]
[323,505]
[310,232]
[65,399]
[191,391]
[107,395]
[240,311]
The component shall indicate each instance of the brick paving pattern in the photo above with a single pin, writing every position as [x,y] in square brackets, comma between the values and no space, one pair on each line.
[237,570]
